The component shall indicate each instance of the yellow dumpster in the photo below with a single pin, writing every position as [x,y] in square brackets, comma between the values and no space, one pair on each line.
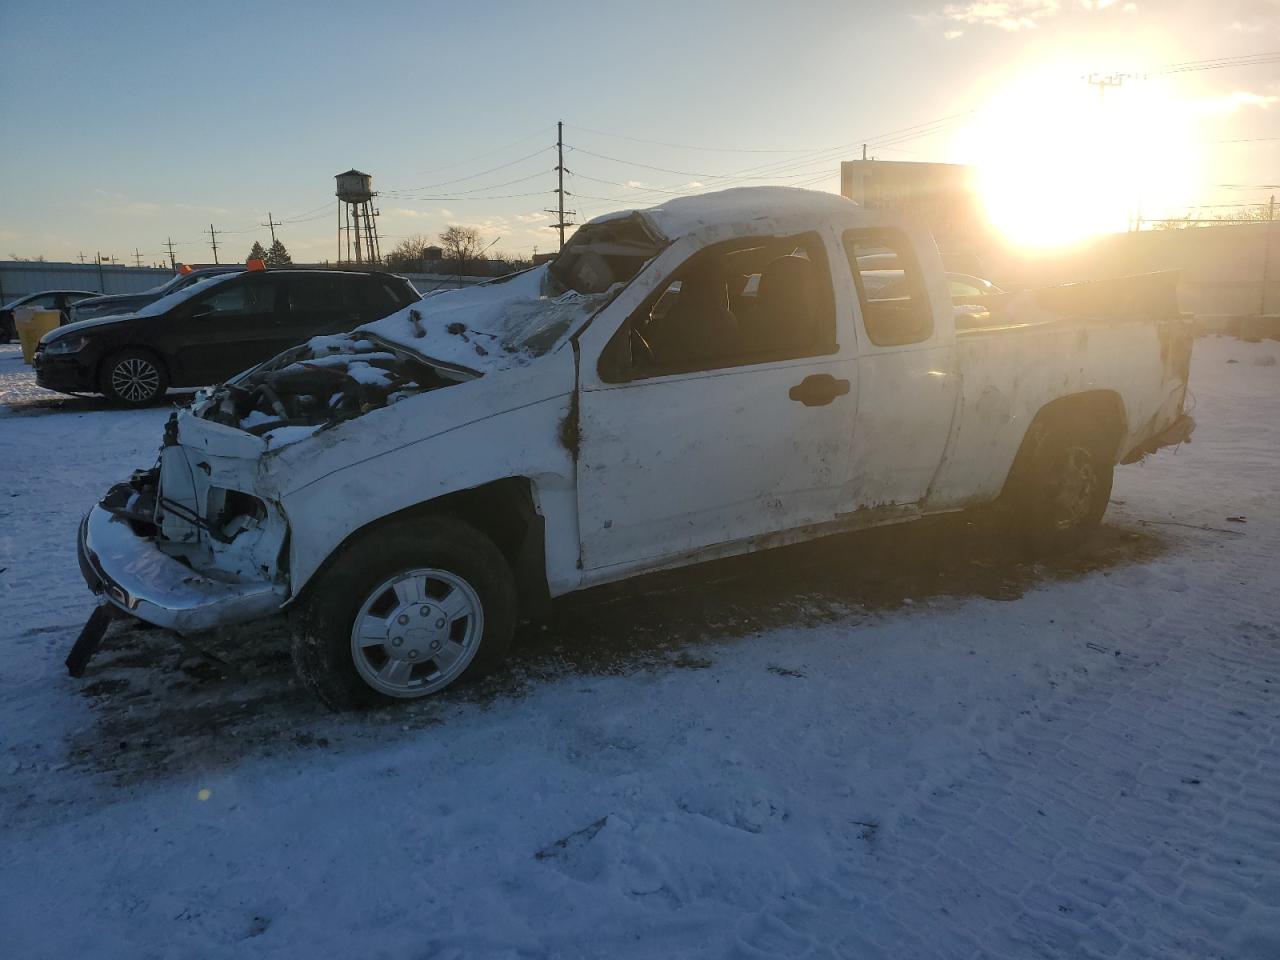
[32,325]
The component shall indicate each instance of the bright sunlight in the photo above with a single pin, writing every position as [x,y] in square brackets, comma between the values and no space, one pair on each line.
[1059,161]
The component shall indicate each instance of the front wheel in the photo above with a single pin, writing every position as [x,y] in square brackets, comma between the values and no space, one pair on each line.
[1063,487]
[133,378]
[403,613]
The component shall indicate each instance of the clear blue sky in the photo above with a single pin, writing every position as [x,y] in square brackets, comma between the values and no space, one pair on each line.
[125,123]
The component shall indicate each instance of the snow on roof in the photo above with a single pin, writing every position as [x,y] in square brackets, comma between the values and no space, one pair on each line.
[683,215]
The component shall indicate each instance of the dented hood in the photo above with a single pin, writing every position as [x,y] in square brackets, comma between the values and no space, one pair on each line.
[492,326]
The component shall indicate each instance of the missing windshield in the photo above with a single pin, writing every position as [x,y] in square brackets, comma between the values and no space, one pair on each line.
[601,255]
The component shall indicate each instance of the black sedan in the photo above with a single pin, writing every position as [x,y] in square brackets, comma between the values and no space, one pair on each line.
[44,300]
[212,330]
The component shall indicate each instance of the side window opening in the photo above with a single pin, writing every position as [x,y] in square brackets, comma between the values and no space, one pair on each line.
[745,301]
[316,294]
[891,290]
[241,297]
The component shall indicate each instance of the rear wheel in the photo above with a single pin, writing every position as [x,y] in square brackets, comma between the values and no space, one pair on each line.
[133,378]
[403,613]
[1063,485]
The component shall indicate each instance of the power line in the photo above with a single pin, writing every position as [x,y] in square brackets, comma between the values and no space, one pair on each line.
[783,170]
[490,153]
[464,194]
[686,146]
[445,183]
[1219,63]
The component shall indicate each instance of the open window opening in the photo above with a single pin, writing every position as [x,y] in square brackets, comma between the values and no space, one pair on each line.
[745,301]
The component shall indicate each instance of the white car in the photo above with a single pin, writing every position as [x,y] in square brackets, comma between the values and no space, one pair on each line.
[708,377]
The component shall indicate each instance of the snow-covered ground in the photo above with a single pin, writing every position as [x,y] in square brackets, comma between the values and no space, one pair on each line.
[899,744]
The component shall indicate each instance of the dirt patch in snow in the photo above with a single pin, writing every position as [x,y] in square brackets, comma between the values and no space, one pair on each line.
[162,709]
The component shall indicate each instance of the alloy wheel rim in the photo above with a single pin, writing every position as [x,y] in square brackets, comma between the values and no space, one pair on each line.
[135,379]
[417,632]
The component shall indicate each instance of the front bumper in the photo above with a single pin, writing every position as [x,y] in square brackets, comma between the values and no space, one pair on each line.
[68,374]
[135,576]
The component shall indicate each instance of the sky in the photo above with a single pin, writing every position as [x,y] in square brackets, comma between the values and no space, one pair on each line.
[128,124]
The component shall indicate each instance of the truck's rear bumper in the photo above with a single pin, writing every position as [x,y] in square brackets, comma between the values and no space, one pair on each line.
[1178,432]
[137,577]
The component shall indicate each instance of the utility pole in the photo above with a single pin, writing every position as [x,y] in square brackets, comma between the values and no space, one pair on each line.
[102,287]
[213,239]
[272,224]
[173,263]
[864,151]
[1266,256]
[1102,81]
[137,257]
[81,256]
[560,223]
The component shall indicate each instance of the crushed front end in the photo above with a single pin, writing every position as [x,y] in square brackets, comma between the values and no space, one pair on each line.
[190,544]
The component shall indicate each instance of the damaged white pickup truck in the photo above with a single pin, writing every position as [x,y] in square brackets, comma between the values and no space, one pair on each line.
[708,377]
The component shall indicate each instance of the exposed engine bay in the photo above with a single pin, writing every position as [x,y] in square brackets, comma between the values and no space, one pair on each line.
[323,382]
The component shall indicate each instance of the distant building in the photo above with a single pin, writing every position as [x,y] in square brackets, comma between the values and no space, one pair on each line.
[942,195]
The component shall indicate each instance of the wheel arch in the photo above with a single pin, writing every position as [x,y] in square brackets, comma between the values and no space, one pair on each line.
[1105,408]
[503,510]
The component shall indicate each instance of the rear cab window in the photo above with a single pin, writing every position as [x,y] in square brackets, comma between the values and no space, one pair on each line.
[891,289]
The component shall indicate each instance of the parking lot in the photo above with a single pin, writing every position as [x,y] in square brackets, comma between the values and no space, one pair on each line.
[906,742]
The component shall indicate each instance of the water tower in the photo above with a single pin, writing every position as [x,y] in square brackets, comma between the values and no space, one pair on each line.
[356,218]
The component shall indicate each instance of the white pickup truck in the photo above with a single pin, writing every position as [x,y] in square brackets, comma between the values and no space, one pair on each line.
[703,378]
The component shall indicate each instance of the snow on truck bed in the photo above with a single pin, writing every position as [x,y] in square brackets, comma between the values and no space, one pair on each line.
[1087,770]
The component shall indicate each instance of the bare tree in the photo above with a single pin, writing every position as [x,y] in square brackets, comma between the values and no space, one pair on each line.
[408,253]
[462,246]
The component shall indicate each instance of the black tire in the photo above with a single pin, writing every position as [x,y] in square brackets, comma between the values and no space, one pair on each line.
[1062,484]
[133,378]
[324,618]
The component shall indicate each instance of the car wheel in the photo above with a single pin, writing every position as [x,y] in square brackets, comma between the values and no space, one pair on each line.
[134,378]
[1065,486]
[404,612]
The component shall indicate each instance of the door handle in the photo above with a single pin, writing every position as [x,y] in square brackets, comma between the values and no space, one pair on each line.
[818,390]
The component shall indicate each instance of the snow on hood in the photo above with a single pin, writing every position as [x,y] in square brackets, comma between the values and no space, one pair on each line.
[493,325]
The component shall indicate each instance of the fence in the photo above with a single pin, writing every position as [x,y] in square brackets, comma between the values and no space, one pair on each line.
[21,277]
[1221,268]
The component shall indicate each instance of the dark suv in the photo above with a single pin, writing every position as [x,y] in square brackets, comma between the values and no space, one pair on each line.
[211,330]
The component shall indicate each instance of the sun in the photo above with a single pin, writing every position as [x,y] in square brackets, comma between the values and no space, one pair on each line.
[1058,162]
